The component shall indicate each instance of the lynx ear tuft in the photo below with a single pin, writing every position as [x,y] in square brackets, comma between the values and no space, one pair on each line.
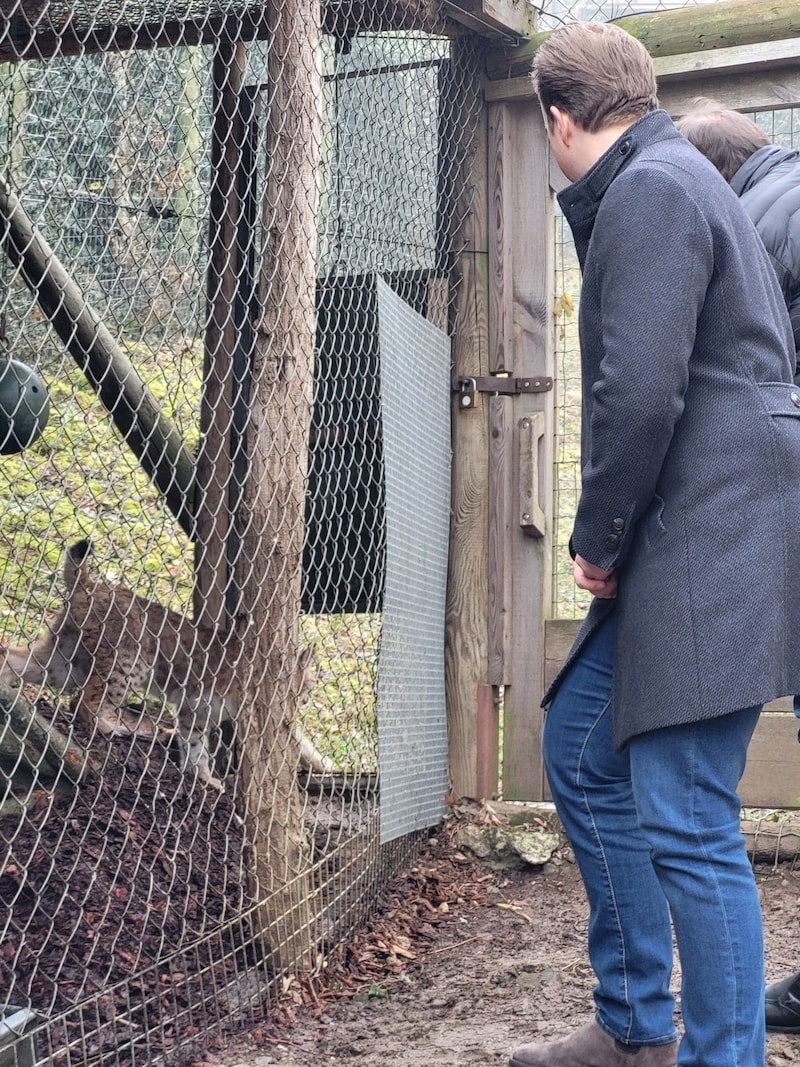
[80,551]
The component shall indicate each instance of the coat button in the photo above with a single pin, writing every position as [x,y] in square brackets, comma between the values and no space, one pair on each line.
[618,524]
[612,541]
[794,396]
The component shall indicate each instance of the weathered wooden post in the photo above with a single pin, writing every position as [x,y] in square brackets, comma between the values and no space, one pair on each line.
[500,559]
[269,564]
[466,648]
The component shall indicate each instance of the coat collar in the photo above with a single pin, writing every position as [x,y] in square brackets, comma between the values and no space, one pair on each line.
[580,201]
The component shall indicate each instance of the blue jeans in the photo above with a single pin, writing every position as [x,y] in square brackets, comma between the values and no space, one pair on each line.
[656,834]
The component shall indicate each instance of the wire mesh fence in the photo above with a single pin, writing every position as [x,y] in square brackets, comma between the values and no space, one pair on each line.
[205,487]
[196,552]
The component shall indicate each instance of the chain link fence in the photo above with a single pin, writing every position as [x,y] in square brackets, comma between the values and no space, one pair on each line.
[229,236]
[201,551]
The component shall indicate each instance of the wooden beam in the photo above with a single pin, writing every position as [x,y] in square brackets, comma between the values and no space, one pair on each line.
[763,56]
[466,631]
[512,19]
[27,31]
[704,28]
[522,225]
[750,92]
[487,749]
[760,77]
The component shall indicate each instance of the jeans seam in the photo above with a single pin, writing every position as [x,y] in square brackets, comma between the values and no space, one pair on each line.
[720,895]
[609,883]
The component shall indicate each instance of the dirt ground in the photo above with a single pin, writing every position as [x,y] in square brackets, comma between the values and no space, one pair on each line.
[503,961]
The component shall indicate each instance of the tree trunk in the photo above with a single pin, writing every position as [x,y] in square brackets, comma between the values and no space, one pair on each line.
[269,564]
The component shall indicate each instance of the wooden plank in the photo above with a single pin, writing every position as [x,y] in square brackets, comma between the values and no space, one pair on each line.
[438,302]
[499,573]
[530,296]
[500,359]
[746,92]
[559,635]
[759,90]
[764,57]
[500,243]
[702,28]
[513,19]
[772,774]
[465,614]
[488,743]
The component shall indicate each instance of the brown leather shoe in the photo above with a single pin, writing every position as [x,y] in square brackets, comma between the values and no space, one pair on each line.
[591,1046]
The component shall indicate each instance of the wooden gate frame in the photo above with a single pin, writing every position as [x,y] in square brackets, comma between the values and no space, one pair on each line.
[498,630]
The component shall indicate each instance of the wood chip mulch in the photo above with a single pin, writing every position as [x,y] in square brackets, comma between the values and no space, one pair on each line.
[408,919]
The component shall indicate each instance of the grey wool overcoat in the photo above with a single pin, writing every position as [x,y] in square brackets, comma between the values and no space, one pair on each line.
[690,446]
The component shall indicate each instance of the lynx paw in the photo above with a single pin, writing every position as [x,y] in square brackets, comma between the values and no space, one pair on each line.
[125,724]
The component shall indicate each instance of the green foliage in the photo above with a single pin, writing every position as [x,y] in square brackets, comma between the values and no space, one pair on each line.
[81,480]
[339,713]
[372,992]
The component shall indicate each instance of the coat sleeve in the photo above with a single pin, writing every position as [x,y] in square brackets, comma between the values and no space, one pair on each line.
[794,315]
[651,262]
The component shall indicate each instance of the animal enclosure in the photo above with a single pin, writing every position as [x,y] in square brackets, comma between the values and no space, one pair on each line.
[282,270]
[227,244]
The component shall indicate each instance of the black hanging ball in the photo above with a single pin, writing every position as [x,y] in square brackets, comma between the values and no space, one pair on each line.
[24,406]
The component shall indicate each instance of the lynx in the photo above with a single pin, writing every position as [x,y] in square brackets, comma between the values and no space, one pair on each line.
[109,643]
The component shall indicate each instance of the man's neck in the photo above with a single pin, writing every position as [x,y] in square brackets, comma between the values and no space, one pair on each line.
[589,147]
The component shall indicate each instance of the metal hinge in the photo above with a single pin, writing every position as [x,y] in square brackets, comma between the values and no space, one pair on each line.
[468,389]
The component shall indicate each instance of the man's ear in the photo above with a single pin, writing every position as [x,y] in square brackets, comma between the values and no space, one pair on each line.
[562,124]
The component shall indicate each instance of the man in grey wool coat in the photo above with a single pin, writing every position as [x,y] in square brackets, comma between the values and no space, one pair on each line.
[687,533]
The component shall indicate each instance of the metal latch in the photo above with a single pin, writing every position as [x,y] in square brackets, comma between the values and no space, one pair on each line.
[468,389]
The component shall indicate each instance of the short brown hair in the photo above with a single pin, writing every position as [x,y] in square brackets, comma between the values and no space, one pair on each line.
[725,137]
[595,72]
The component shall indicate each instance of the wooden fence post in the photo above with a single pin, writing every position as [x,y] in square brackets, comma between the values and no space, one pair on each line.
[269,564]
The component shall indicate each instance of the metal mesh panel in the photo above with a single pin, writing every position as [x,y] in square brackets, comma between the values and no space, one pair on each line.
[412,722]
[194,566]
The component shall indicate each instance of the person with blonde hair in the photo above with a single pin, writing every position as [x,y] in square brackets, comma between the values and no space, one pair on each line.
[686,532]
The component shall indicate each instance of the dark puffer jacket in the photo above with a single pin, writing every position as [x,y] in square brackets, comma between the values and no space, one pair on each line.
[768,185]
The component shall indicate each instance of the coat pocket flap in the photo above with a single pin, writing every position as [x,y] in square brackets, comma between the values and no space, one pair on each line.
[781,398]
